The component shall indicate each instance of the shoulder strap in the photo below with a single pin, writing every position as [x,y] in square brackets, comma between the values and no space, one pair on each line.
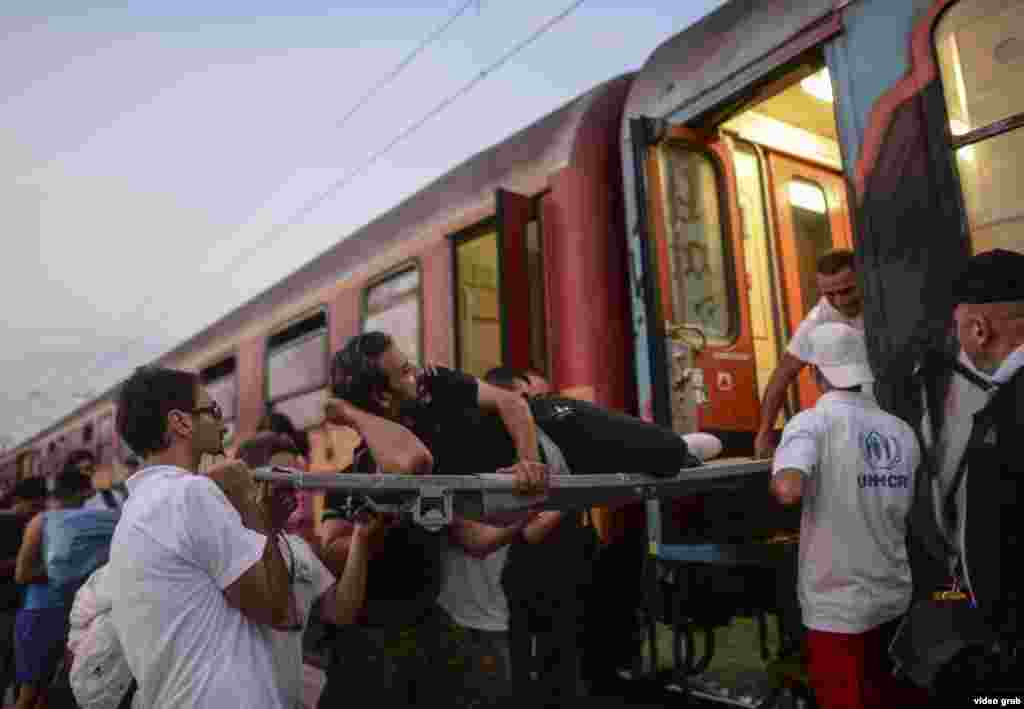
[109,499]
[129,695]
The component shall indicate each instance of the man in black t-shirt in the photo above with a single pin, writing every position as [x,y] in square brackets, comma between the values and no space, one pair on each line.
[420,421]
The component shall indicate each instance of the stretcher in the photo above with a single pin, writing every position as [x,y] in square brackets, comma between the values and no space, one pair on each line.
[432,501]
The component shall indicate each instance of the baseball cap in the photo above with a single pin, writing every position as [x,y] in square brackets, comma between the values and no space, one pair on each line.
[994,276]
[841,354]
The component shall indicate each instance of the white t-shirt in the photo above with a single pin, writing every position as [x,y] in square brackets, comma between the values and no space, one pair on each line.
[312,580]
[471,589]
[858,464]
[178,545]
[800,346]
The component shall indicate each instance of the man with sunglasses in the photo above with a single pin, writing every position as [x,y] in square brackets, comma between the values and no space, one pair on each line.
[194,576]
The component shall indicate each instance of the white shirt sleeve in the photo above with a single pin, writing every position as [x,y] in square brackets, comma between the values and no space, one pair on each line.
[800,447]
[216,540]
[320,576]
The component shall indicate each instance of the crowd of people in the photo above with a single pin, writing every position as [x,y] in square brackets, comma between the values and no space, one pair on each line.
[202,587]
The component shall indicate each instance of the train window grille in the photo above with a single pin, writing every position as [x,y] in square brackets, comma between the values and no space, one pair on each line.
[393,303]
[979,45]
[699,256]
[296,369]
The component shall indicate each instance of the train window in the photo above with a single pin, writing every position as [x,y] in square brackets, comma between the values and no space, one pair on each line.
[812,231]
[538,314]
[757,250]
[304,410]
[980,48]
[698,249]
[297,359]
[87,434]
[392,304]
[478,303]
[221,384]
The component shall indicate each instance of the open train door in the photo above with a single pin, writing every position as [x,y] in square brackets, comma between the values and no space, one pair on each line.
[812,216]
[698,286]
[514,212]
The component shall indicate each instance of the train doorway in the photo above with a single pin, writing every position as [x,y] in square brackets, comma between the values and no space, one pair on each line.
[786,149]
[742,206]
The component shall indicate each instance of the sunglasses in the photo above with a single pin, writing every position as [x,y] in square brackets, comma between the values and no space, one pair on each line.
[213,409]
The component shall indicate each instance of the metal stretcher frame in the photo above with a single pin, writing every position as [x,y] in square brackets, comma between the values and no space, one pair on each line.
[433,499]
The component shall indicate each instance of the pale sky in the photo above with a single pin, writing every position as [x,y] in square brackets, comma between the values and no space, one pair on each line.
[146,146]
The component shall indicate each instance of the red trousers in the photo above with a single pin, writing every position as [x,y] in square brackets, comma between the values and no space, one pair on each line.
[853,671]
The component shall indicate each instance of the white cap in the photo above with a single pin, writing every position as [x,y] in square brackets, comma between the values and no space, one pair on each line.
[839,351]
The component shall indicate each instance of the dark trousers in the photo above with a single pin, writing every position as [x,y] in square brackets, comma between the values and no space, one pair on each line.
[429,664]
[553,621]
[6,652]
[383,666]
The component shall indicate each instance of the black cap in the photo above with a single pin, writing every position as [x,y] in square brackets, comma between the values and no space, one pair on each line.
[995,276]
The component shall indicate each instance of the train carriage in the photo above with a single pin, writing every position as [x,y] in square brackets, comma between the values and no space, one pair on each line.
[516,256]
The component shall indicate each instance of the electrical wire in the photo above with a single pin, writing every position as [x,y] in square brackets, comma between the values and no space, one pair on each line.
[271,237]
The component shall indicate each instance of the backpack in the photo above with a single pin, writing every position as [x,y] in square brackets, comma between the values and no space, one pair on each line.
[76,543]
[99,676]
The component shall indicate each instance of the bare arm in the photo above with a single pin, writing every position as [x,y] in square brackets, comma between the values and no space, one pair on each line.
[539,528]
[394,447]
[28,567]
[263,592]
[785,374]
[342,603]
[481,540]
[788,486]
[530,474]
[336,539]
[515,414]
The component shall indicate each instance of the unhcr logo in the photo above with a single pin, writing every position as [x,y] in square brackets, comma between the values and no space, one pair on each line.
[881,452]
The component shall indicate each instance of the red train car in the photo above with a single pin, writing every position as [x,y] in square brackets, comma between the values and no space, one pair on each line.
[516,257]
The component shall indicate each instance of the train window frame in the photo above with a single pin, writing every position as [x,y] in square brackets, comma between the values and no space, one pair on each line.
[209,373]
[955,142]
[271,348]
[400,269]
[735,314]
[537,216]
[474,231]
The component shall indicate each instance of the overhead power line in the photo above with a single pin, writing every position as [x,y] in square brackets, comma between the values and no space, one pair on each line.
[276,232]
[103,360]
[271,236]
[409,59]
